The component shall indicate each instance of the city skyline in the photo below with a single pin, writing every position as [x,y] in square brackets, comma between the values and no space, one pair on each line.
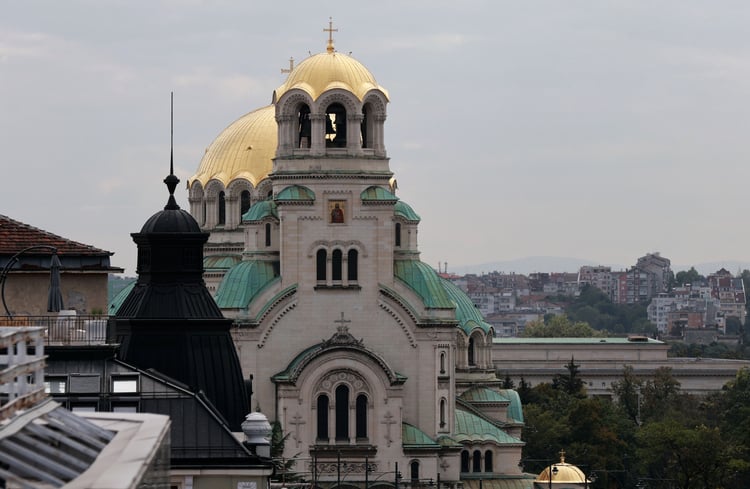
[600,132]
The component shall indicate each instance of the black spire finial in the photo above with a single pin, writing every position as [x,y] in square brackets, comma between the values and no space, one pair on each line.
[171,179]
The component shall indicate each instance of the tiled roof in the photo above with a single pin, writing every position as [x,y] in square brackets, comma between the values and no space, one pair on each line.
[16,236]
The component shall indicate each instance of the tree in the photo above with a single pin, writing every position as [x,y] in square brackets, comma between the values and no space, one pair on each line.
[570,383]
[689,277]
[628,394]
[508,382]
[558,327]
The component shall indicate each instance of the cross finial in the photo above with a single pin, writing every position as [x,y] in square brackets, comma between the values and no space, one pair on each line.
[330,32]
[291,66]
[562,456]
[342,327]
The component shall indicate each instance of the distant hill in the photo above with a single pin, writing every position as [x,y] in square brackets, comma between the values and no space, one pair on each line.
[530,264]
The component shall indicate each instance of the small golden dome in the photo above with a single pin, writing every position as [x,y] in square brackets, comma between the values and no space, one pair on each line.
[325,71]
[243,150]
[565,473]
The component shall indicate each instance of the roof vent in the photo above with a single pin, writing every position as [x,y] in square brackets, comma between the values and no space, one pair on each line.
[638,338]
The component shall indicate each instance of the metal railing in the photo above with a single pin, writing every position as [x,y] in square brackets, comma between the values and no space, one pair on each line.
[67,328]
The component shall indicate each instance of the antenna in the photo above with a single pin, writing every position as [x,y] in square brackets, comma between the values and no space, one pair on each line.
[171,133]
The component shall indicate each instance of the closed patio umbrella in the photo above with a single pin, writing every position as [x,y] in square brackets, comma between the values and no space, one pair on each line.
[54,296]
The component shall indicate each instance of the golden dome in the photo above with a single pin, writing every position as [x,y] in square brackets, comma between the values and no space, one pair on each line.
[243,150]
[325,71]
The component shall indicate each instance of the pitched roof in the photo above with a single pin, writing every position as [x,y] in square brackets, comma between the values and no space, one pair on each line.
[16,236]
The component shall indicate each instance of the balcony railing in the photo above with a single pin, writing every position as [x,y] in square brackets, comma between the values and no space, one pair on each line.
[67,329]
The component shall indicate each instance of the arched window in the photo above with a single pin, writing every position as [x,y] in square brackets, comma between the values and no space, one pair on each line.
[472,362]
[361,415]
[336,126]
[398,234]
[465,461]
[366,138]
[442,413]
[304,126]
[414,471]
[322,418]
[222,208]
[476,461]
[203,217]
[268,234]
[442,362]
[351,271]
[342,412]
[320,265]
[488,461]
[336,259]
[244,202]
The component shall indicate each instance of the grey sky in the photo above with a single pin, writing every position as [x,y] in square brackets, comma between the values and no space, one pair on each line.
[599,129]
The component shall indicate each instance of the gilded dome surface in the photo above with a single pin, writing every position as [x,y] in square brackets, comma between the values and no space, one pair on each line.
[565,473]
[243,150]
[325,71]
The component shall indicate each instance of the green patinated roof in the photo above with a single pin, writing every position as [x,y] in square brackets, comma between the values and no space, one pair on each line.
[376,193]
[483,394]
[470,427]
[467,314]
[413,437]
[296,192]
[575,341]
[243,282]
[224,262]
[402,209]
[491,481]
[515,409]
[425,281]
[117,300]
[264,208]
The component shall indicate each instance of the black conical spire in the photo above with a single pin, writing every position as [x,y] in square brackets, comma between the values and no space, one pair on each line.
[171,179]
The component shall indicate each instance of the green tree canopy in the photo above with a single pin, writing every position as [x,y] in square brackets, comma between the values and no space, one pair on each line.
[558,327]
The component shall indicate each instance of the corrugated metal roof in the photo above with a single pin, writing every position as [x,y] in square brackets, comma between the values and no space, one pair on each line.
[296,192]
[402,209]
[467,314]
[243,282]
[413,437]
[470,427]
[423,280]
[377,194]
[264,208]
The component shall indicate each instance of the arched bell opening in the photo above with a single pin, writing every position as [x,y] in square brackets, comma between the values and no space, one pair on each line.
[335,120]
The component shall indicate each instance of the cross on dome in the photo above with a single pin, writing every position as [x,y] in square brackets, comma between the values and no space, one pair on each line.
[330,32]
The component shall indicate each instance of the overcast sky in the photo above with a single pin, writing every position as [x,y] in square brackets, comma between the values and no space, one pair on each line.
[599,130]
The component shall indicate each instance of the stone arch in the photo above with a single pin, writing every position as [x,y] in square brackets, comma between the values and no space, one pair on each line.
[264,190]
[214,189]
[289,110]
[236,190]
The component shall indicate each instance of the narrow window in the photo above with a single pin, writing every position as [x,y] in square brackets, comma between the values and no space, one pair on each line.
[442,362]
[222,208]
[320,264]
[336,258]
[351,271]
[398,234]
[442,413]
[488,461]
[414,469]
[268,234]
[476,461]
[465,461]
[322,417]
[365,127]
[361,416]
[203,216]
[342,412]
[471,352]
[304,127]
[244,202]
